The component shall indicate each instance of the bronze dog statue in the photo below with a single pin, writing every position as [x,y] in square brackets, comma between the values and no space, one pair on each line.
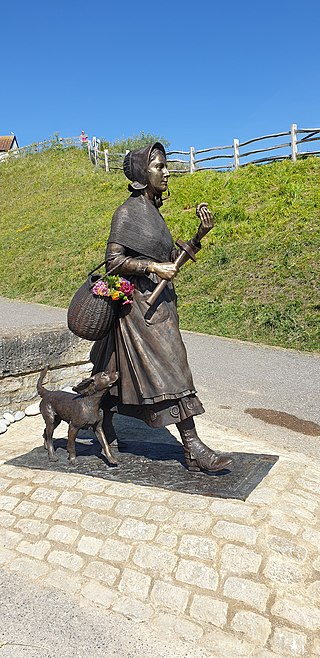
[80,410]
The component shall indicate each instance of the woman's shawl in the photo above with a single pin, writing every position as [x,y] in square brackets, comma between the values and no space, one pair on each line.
[139,226]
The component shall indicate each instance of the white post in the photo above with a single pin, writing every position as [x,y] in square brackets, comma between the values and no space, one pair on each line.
[192,160]
[89,148]
[294,149]
[236,152]
[106,160]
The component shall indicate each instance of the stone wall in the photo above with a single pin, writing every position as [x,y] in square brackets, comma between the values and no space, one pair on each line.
[24,353]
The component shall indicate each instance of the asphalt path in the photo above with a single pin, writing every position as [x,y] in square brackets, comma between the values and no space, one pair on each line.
[231,376]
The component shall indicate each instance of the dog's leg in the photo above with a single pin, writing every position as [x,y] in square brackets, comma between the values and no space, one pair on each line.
[51,424]
[71,445]
[104,443]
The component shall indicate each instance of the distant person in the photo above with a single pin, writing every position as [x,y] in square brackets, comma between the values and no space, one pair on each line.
[83,137]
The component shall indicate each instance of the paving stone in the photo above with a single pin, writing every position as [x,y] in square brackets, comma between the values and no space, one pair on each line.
[247,591]
[209,609]
[8,503]
[307,617]
[20,473]
[289,642]
[282,522]
[89,545]
[6,556]
[135,508]
[313,590]
[64,580]
[202,547]
[150,494]
[188,501]
[133,609]
[67,513]
[265,653]
[191,521]
[66,560]
[63,534]
[37,549]
[43,511]
[4,484]
[309,502]
[101,571]
[298,512]
[133,529]
[255,627]
[25,508]
[234,510]
[121,490]
[64,480]
[195,573]
[188,630]
[155,559]
[280,570]
[18,489]
[135,583]
[287,547]
[316,647]
[90,484]
[309,485]
[32,526]
[316,564]
[6,519]
[312,536]
[266,495]
[42,477]
[70,497]
[167,539]
[226,645]
[170,596]
[9,538]
[45,495]
[236,532]
[100,523]
[159,513]
[103,503]
[239,559]
[97,593]
[29,567]
[115,551]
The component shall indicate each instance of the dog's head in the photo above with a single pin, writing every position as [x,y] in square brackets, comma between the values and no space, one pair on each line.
[101,381]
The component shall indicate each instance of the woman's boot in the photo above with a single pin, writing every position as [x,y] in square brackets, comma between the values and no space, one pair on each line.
[197,455]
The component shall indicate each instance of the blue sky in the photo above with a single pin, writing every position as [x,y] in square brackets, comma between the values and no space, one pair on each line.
[197,73]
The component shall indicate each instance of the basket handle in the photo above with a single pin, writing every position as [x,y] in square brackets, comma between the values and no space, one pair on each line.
[104,262]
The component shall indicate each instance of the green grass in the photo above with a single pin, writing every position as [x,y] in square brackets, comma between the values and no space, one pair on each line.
[256,277]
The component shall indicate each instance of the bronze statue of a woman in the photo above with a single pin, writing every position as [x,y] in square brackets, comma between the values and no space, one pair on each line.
[145,346]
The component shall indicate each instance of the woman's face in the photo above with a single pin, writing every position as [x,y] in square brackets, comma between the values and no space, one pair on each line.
[158,173]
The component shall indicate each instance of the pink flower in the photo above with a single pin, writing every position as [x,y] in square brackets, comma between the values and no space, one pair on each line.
[101,288]
[126,287]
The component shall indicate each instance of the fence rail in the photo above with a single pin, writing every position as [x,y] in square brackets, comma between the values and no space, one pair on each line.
[190,161]
[237,152]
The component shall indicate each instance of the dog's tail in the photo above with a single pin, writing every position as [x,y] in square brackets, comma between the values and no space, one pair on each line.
[40,388]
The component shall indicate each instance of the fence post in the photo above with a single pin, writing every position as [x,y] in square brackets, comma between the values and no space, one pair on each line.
[106,160]
[89,148]
[294,149]
[192,160]
[236,153]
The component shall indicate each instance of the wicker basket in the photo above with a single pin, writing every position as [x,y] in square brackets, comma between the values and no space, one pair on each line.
[89,316]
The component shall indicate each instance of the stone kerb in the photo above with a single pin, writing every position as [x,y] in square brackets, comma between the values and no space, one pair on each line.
[23,353]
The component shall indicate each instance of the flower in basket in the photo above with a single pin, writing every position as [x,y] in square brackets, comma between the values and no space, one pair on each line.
[116,287]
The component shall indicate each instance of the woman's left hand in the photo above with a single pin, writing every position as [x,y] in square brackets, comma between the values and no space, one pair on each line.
[206,218]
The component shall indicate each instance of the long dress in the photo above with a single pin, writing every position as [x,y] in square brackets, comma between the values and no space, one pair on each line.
[145,345]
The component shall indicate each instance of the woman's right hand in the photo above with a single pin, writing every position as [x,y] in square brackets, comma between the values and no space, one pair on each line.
[165,271]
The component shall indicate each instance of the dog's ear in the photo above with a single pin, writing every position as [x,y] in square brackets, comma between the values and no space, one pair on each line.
[84,387]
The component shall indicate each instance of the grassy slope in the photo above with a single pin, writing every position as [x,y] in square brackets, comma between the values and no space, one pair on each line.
[257,275]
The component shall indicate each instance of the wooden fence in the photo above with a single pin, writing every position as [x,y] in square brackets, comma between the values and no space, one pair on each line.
[231,156]
[221,158]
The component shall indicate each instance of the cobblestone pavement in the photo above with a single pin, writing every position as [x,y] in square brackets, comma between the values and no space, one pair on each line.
[236,578]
